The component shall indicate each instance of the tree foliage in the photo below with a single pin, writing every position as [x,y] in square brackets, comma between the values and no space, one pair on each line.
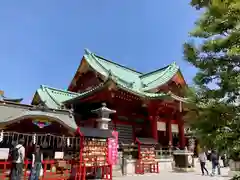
[214,113]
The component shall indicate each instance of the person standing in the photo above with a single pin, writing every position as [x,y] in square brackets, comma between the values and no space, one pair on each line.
[203,159]
[37,158]
[224,159]
[215,163]
[18,156]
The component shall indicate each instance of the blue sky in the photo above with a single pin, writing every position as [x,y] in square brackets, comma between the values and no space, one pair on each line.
[42,42]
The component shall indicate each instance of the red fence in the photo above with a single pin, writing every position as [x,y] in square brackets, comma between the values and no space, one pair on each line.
[59,170]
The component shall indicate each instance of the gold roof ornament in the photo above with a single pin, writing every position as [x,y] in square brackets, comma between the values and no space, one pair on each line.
[1,92]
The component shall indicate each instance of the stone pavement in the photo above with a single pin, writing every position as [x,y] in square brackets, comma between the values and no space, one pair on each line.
[176,176]
[164,175]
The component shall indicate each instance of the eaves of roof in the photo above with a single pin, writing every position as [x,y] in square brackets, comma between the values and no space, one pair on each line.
[112,79]
[13,112]
[53,97]
[88,92]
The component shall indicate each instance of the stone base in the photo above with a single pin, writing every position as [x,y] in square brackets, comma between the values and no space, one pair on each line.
[165,164]
[177,169]
[129,165]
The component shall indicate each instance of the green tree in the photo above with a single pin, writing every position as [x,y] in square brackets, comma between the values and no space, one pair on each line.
[214,113]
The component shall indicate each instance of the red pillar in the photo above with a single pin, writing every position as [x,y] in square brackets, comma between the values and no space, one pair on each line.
[154,130]
[152,112]
[169,131]
[181,133]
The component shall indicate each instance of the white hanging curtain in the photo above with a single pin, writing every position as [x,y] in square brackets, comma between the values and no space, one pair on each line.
[161,126]
[174,128]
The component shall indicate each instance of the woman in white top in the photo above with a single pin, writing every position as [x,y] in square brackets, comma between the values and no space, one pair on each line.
[203,158]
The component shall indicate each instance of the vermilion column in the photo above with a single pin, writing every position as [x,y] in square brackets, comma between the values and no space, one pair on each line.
[152,111]
[154,131]
[181,133]
[169,131]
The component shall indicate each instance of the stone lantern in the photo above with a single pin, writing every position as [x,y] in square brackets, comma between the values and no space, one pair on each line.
[103,116]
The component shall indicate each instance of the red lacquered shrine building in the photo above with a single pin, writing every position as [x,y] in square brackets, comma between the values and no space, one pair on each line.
[147,105]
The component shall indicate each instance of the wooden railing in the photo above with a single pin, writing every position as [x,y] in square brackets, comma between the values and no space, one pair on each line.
[164,153]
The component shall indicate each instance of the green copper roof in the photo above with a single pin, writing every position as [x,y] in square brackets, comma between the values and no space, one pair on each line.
[142,94]
[159,77]
[124,75]
[125,78]
[53,97]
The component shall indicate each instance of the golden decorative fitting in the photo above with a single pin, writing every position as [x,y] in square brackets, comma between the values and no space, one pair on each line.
[1,92]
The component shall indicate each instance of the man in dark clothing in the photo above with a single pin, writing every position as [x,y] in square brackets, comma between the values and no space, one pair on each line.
[215,162]
[18,155]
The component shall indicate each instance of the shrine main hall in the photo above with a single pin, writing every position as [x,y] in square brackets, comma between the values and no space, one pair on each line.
[147,105]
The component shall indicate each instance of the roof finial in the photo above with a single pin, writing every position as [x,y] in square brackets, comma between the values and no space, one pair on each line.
[87,51]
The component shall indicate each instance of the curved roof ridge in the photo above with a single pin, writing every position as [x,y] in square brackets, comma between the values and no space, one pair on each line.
[153,72]
[57,89]
[166,71]
[121,66]
[92,55]
[86,57]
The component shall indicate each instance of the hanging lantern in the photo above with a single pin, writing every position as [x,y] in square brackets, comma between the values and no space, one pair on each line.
[34,139]
[1,136]
[41,123]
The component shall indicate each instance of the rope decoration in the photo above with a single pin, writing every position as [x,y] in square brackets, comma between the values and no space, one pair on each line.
[44,140]
[1,136]
[34,139]
[68,142]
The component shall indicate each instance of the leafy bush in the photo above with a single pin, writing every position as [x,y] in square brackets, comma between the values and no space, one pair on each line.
[236,177]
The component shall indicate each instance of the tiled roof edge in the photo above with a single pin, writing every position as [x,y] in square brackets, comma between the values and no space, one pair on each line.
[112,62]
[56,89]
[153,72]
[161,78]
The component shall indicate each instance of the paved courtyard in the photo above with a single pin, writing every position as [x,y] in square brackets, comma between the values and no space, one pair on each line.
[177,176]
